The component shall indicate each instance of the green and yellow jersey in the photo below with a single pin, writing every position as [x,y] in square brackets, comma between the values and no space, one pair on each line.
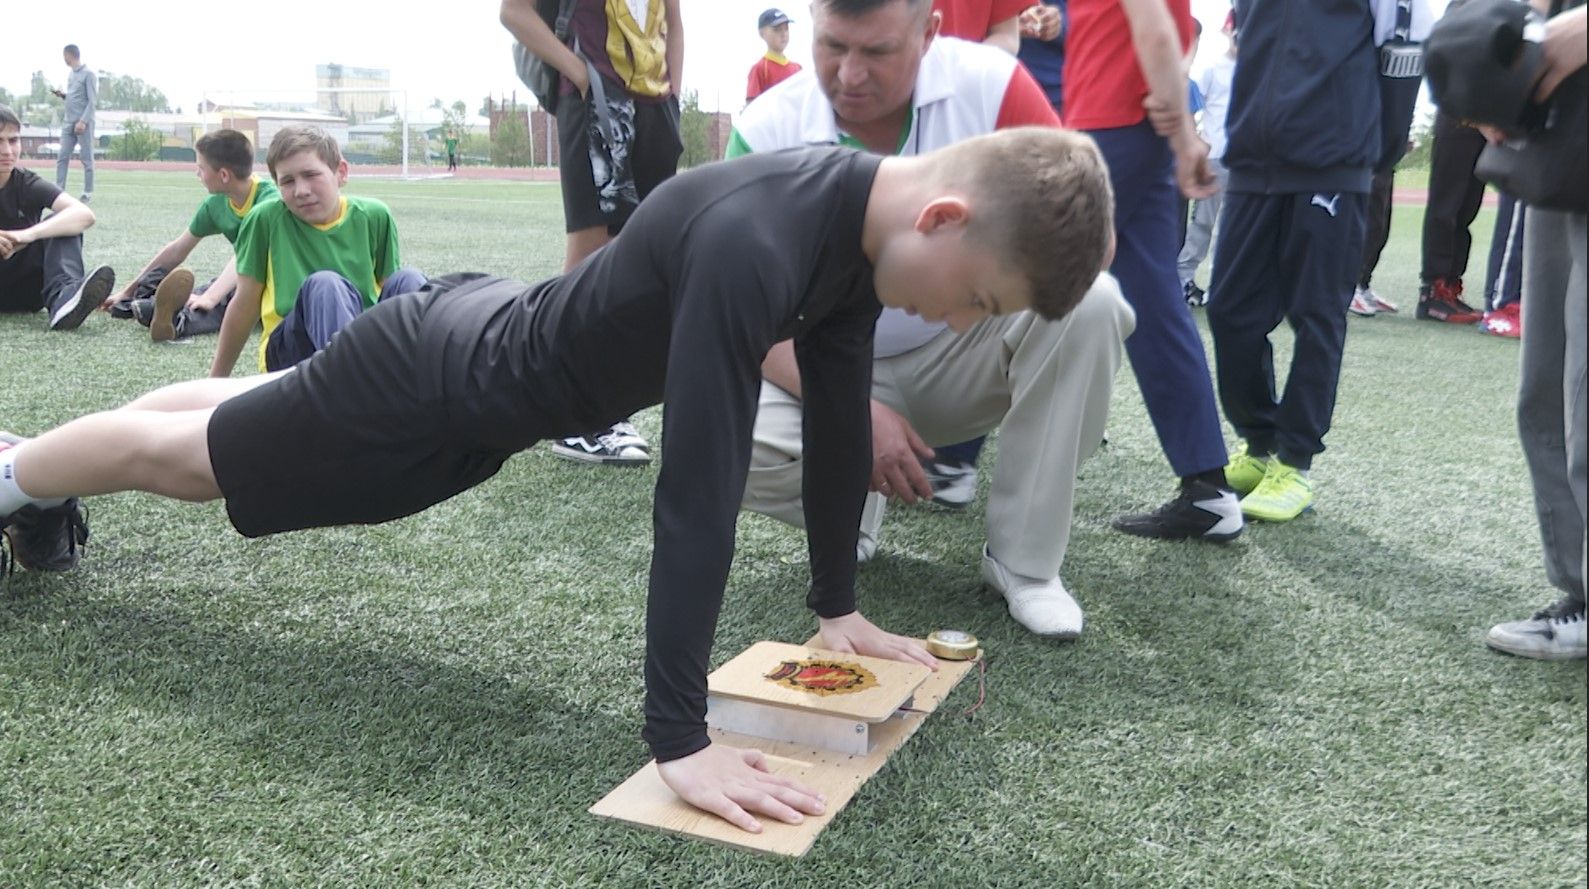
[282,251]
[219,216]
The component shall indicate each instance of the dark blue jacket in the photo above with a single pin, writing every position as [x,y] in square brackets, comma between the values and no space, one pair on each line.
[1304,107]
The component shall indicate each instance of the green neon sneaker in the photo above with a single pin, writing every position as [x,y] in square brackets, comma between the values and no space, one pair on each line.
[1282,495]
[1244,471]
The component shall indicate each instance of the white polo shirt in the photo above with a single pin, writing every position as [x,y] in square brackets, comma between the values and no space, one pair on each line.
[962,90]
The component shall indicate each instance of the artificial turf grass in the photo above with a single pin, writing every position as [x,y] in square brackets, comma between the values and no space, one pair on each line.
[436,701]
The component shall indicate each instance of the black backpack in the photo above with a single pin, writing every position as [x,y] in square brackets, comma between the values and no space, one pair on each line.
[542,79]
[1483,63]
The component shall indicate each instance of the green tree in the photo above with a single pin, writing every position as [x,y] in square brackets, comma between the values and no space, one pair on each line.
[8,100]
[694,126]
[456,118]
[510,146]
[119,92]
[138,142]
[392,147]
[473,145]
[39,92]
[40,107]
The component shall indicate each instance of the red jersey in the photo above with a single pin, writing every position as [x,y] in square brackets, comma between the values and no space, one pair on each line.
[768,70]
[973,19]
[1104,86]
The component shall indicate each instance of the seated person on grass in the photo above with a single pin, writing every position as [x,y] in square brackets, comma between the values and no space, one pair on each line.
[310,262]
[41,259]
[429,393]
[226,169]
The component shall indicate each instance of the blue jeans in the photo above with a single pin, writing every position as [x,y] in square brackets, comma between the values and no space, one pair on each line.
[327,302]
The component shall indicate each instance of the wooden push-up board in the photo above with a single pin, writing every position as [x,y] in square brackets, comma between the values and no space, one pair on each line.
[827,719]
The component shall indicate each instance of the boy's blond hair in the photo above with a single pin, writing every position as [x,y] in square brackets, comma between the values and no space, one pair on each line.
[290,140]
[1045,204]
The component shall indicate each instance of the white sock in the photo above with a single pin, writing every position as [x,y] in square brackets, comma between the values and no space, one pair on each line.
[12,497]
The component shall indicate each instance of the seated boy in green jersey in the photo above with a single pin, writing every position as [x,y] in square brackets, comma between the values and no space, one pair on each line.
[226,168]
[311,261]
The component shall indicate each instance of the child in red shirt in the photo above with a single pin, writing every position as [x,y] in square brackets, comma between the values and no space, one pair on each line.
[771,68]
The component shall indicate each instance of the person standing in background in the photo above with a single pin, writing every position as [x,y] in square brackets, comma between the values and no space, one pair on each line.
[77,128]
[1214,84]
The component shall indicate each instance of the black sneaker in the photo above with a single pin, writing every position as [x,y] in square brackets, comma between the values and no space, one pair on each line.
[89,296]
[954,482]
[1195,295]
[47,539]
[1201,510]
[141,311]
[621,445]
[121,309]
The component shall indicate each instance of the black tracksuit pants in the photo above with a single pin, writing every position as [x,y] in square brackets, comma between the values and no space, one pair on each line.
[1291,257]
[41,275]
[1454,198]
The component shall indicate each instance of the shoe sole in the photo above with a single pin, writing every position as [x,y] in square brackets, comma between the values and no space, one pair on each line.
[1277,519]
[1225,537]
[1570,655]
[577,456]
[169,298]
[90,294]
[950,505]
[1449,319]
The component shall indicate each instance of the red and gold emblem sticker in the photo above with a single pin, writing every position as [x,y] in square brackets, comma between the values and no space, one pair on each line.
[823,677]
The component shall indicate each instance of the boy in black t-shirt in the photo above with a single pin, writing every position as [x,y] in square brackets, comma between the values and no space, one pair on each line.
[428,393]
[41,260]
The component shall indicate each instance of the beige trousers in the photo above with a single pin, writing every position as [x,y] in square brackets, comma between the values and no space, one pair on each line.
[1043,385]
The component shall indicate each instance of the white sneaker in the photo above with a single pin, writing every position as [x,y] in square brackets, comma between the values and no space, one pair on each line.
[871,528]
[1042,606]
[621,445]
[954,483]
[1554,634]
[1363,303]
[1379,302]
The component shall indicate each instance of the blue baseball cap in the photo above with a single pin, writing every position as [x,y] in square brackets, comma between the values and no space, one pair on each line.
[772,18]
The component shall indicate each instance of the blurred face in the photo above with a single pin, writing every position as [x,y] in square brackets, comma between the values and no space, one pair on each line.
[214,182]
[777,37]
[10,148]
[71,60]
[311,190]
[867,64]
[936,273]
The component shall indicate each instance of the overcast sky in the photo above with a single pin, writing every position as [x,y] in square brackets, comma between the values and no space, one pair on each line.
[453,49]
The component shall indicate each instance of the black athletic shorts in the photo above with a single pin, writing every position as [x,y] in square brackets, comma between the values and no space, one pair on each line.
[602,183]
[361,433]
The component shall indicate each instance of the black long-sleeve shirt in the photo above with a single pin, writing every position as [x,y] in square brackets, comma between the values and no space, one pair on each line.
[715,266]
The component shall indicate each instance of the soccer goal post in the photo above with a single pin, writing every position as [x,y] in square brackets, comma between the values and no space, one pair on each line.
[374,125]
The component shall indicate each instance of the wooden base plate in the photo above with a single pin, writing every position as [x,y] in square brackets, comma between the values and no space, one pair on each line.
[645,801]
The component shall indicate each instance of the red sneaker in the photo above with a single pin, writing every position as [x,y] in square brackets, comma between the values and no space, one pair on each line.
[1506,321]
[1442,301]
